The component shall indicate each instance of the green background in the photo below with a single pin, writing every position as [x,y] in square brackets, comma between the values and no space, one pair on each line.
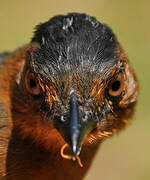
[127,155]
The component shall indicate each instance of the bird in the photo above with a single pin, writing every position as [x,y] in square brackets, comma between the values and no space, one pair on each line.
[61,95]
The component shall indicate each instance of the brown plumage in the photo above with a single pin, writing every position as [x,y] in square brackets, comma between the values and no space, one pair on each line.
[71,84]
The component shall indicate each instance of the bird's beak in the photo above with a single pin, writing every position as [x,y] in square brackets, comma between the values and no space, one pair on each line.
[77,125]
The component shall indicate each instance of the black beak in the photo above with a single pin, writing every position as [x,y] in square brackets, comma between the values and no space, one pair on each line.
[77,125]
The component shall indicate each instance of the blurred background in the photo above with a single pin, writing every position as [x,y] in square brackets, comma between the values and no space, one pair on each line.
[127,155]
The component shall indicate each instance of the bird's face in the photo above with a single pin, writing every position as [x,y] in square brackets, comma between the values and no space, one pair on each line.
[85,91]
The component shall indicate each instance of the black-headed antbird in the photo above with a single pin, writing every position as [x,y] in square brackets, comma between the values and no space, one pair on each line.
[61,95]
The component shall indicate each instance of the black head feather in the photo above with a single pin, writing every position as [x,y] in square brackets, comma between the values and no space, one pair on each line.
[75,41]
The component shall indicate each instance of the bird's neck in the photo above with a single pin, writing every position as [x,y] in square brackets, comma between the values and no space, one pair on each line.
[38,163]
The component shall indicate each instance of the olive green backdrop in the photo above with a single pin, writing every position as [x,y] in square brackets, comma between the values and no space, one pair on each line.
[127,155]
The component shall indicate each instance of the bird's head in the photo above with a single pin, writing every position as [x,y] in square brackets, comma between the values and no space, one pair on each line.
[76,80]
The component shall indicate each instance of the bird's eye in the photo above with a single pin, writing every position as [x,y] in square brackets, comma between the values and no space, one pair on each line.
[32,84]
[116,86]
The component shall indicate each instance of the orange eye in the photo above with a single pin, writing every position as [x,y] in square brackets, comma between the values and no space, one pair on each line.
[117,86]
[32,84]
